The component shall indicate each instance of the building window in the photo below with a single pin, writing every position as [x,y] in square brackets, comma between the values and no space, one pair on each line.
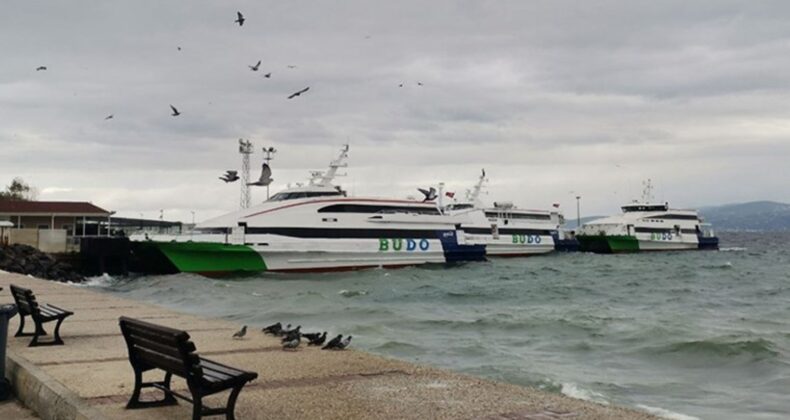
[43,226]
[68,229]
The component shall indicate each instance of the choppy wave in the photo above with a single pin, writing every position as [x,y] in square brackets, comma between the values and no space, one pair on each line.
[759,348]
[665,414]
[352,293]
[575,391]
[733,249]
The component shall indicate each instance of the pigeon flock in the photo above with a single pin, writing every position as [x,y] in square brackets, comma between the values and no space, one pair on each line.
[291,338]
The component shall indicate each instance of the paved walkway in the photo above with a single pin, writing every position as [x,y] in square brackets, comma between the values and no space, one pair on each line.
[13,410]
[308,383]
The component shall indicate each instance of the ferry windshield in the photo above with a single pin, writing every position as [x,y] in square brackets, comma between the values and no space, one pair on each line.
[645,207]
[303,194]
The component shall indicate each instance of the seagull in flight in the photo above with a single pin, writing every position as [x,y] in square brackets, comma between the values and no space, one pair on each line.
[256,66]
[268,75]
[240,19]
[266,177]
[295,94]
[39,68]
[429,194]
[291,66]
[419,83]
[179,48]
[230,176]
[175,111]
[109,117]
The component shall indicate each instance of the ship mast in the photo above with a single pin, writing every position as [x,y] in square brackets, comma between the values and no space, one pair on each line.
[324,179]
[245,148]
[647,192]
[474,195]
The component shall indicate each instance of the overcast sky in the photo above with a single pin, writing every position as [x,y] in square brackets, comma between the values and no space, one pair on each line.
[553,98]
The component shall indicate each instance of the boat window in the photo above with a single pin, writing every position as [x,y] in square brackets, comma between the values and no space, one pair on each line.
[645,207]
[676,217]
[459,206]
[528,216]
[303,194]
[375,208]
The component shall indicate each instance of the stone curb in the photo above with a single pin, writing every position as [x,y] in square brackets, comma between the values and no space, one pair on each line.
[48,398]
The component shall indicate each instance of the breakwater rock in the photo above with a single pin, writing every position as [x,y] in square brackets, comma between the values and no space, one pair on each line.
[25,259]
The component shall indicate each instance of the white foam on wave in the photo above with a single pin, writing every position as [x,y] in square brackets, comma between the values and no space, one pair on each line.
[105,280]
[732,249]
[574,391]
[665,414]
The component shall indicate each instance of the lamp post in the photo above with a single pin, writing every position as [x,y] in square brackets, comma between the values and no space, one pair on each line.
[578,213]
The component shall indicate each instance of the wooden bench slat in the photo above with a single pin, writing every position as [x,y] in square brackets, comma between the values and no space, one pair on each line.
[170,349]
[161,361]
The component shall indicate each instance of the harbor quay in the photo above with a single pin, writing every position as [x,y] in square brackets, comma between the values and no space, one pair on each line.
[90,377]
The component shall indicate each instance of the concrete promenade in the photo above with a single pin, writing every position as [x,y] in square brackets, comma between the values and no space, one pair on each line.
[90,377]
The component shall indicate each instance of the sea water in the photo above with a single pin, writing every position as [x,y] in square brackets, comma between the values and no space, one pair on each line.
[680,334]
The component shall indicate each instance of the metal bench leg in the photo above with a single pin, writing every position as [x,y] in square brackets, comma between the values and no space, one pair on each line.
[58,340]
[197,408]
[231,407]
[19,332]
[134,402]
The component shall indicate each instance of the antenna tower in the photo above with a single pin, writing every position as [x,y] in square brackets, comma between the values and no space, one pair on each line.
[245,148]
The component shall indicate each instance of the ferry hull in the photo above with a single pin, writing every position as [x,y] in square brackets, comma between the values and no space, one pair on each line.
[209,258]
[288,254]
[608,244]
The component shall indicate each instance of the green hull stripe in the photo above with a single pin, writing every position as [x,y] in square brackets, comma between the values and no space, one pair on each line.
[608,243]
[209,257]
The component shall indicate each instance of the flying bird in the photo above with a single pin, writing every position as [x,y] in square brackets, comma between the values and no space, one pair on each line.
[400,85]
[266,177]
[239,19]
[39,68]
[295,94]
[230,176]
[268,75]
[333,343]
[273,329]
[429,194]
[175,111]
[290,66]
[419,83]
[241,333]
[179,48]
[109,117]
[256,66]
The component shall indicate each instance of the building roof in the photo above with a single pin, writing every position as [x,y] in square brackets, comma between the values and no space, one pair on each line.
[76,208]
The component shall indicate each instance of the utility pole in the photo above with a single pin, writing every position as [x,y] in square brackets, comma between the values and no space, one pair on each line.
[578,213]
[245,148]
[267,156]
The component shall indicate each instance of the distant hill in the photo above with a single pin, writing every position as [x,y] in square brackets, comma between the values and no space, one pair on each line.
[755,215]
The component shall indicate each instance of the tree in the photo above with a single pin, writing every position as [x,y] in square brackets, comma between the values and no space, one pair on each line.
[19,190]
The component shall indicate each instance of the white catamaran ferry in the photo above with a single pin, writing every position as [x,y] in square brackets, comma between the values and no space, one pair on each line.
[314,227]
[504,229]
[647,226]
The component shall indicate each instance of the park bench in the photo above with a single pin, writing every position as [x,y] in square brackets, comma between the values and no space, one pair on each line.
[154,346]
[28,306]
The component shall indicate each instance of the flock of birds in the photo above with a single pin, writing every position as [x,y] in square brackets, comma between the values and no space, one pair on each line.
[291,338]
[240,19]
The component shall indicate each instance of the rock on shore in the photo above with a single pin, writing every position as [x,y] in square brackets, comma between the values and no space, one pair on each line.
[25,259]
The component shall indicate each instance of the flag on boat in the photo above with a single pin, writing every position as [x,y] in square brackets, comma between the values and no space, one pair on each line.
[450,194]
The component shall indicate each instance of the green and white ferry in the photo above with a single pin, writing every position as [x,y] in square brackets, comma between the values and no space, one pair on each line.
[311,228]
[647,226]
